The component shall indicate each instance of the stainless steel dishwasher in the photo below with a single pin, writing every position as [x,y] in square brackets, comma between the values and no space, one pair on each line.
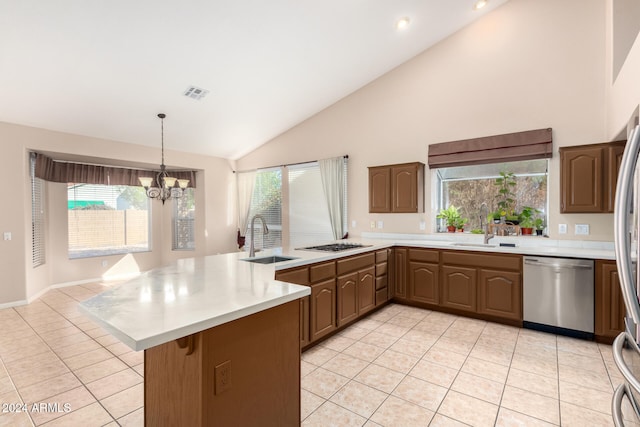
[558,295]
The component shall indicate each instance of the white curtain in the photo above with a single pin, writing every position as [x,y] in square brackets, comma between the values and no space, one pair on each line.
[245,182]
[332,174]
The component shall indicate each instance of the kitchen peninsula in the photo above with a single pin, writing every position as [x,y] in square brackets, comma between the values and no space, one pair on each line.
[220,336]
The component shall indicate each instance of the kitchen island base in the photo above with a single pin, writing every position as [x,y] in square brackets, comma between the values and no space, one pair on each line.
[245,372]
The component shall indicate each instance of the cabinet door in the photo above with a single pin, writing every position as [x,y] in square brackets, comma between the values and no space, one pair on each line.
[304,321]
[404,188]
[582,179]
[323,309]
[366,290]
[614,158]
[500,294]
[610,309]
[459,287]
[380,189]
[347,298]
[423,282]
[400,273]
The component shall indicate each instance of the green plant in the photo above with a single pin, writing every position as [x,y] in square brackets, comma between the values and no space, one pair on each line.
[460,222]
[527,216]
[538,223]
[506,197]
[450,215]
[477,231]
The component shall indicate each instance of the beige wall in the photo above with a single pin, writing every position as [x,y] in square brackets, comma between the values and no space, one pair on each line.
[526,65]
[215,218]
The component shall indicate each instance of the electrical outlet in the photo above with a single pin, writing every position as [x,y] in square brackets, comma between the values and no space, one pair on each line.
[423,225]
[353,223]
[7,235]
[380,224]
[104,262]
[372,224]
[582,229]
[222,374]
[562,228]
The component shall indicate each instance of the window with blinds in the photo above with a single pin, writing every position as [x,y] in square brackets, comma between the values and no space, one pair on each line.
[184,214]
[107,220]
[267,202]
[37,218]
[309,221]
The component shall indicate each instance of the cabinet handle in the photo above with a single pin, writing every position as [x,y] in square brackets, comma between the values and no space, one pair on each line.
[188,343]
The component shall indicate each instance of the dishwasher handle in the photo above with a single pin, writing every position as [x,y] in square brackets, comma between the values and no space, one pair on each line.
[537,262]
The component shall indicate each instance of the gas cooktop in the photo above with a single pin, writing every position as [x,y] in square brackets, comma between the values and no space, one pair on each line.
[335,247]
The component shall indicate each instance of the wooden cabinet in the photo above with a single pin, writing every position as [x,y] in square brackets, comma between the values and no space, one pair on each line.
[366,290]
[347,298]
[588,177]
[500,293]
[300,276]
[423,276]
[396,188]
[400,263]
[459,287]
[305,319]
[322,311]
[356,286]
[609,304]
[382,276]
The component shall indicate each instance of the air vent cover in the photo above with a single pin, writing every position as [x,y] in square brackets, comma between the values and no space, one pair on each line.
[195,92]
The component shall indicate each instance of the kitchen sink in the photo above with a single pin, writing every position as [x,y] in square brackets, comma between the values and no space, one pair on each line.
[268,259]
[474,245]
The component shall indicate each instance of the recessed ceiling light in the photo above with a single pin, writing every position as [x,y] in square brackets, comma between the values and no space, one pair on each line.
[402,23]
[480,4]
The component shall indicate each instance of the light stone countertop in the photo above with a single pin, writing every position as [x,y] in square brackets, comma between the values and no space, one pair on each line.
[195,294]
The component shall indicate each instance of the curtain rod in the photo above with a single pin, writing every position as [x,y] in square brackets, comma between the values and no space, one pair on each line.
[346,156]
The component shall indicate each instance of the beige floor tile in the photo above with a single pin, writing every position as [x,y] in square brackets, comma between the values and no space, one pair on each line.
[41,391]
[399,412]
[455,345]
[403,321]
[446,358]
[422,393]
[481,388]
[106,340]
[323,383]
[422,337]
[74,399]
[541,339]
[124,402]
[364,351]
[397,361]
[430,327]
[86,359]
[345,365]
[330,414]
[469,324]
[434,373]
[15,419]
[542,352]
[31,346]
[506,344]
[412,348]
[139,369]
[394,330]
[586,397]
[309,402]
[532,404]
[461,335]
[359,398]
[38,373]
[337,343]
[509,418]
[91,415]
[577,416]
[379,339]
[484,369]
[593,364]
[535,365]
[383,315]
[305,368]
[369,324]
[578,346]
[354,332]
[114,383]
[118,348]
[318,355]
[456,406]
[492,354]
[132,358]
[535,383]
[440,420]
[75,349]
[583,377]
[100,370]
[379,378]
[61,342]
[96,332]
[134,419]
[6,385]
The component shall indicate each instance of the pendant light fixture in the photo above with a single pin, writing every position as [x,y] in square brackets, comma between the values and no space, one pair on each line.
[164,187]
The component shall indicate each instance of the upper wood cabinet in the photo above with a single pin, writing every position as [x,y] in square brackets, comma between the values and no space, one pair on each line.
[396,188]
[588,177]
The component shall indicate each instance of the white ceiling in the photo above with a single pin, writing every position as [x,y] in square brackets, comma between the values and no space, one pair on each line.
[106,68]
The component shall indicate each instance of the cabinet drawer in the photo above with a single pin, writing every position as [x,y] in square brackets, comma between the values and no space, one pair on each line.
[381,282]
[381,269]
[381,296]
[324,271]
[355,263]
[426,255]
[298,275]
[381,256]
[472,259]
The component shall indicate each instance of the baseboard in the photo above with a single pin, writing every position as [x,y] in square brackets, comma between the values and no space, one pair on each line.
[13,304]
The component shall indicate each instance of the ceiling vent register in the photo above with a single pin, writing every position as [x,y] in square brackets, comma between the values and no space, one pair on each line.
[195,93]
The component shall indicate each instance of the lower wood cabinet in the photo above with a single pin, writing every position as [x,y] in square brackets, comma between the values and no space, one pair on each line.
[459,288]
[347,298]
[500,294]
[366,290]
[400,260]
[423,276]
[323,309]
[609,304]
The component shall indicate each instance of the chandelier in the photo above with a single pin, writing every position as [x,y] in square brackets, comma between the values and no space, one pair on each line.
[165,187]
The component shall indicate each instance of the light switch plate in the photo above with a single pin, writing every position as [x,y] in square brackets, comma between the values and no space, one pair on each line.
[380,224]
[562,228]
[423,225]
[353,223]
[582,229]
[7,235]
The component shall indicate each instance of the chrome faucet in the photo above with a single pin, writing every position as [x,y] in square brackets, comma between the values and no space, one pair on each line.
[265,230]
[484,213]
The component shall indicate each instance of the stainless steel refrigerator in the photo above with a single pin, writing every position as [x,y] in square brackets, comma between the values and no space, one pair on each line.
[626,352]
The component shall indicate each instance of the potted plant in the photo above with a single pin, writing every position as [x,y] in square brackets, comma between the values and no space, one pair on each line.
[451,216]
[527,219]
[538,223]
[506,183]
[460,222]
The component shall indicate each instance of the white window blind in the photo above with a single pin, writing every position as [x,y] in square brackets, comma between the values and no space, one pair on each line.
[107,219]
[37,218]
[184,213]
[267,202]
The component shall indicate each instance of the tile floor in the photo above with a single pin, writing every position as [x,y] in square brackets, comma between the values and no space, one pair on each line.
[401,366]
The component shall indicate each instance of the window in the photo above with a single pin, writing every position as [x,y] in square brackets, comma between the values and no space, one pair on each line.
[267,202]
[184,212]
[468,187]
[107,220]
[37,217]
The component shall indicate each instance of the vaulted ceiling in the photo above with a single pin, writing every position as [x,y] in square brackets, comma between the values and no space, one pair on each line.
[106,68]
